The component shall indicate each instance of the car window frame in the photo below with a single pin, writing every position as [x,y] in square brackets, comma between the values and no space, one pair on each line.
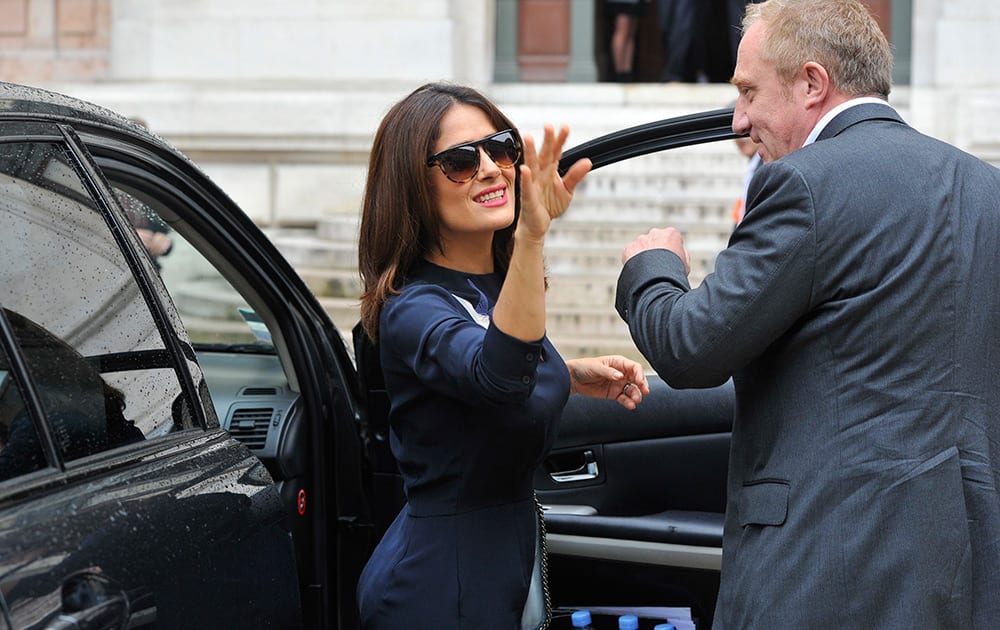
[142,270]
[138,158]
[314,356]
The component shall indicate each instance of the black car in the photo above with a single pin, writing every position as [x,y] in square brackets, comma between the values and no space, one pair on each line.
[165,466]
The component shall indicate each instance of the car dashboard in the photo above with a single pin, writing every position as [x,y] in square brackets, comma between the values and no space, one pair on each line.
[251,397]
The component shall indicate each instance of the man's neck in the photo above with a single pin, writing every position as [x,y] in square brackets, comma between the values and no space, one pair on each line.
[836,109]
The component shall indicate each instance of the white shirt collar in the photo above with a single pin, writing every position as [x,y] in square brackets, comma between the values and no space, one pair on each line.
[825,120]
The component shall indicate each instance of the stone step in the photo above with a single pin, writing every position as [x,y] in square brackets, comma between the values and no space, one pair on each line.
[576,346]
[583,259]
[583,224]
[328,282]
[595,288]
[665,187]
[563,255]
[590,319]
[596,109]
[340,228]
[565,232]
[654,212]
[311,251]
[614,220]
[273,233]
[700,158]
[566,321]
[705,180]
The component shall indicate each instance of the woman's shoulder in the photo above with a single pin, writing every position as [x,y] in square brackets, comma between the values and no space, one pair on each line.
[429,282]
[418,291]
[416,303]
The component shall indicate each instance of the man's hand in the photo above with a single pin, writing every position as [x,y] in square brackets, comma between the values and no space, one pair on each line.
[659,238]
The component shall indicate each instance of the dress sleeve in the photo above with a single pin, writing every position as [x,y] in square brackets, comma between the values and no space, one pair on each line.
[762,283]
[427,330]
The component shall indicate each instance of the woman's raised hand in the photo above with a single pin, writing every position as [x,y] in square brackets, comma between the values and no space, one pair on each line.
[544,194]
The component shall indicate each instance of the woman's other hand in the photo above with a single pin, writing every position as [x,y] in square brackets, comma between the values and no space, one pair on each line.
[613,377]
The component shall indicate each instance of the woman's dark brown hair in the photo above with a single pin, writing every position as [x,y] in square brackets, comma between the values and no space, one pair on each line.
[400,225]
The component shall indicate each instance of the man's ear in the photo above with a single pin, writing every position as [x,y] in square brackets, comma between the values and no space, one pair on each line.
[816,83]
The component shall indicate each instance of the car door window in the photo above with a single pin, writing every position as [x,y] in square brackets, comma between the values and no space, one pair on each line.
[93,350]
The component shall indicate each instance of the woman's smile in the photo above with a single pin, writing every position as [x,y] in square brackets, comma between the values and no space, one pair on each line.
[492,197]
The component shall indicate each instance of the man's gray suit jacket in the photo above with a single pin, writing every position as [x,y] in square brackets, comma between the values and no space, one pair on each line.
[857,310]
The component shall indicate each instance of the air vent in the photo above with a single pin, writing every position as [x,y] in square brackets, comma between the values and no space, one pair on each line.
[259,391]
[250,426]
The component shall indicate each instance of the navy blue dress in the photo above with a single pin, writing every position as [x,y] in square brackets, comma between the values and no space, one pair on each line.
[473,413]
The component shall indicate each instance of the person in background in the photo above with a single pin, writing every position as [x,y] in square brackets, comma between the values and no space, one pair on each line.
[748,149]
[735,11]
[682,32]
[857,311]
[454,218]
[625,16]
[699,39]
[152,230]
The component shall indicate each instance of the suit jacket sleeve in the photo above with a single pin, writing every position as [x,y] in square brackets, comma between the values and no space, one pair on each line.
[763,282]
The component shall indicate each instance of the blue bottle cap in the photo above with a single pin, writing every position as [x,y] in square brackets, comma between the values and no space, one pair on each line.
[664,626]
[628,622]
[581,619]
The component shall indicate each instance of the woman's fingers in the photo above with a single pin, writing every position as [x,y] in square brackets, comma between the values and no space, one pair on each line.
[576,173]
[530,156]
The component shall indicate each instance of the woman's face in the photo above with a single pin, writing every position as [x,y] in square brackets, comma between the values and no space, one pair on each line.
[484,204]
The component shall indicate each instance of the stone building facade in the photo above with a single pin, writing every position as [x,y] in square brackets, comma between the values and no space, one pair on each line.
[279,100]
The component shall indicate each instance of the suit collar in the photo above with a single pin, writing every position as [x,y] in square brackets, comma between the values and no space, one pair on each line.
[859,113]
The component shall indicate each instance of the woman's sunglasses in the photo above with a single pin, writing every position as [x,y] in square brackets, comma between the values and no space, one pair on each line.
[460,163]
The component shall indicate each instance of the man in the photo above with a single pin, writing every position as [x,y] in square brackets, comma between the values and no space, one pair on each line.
[857,309]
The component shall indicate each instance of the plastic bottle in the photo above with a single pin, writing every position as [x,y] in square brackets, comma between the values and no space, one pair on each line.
[581,619]
[628,622]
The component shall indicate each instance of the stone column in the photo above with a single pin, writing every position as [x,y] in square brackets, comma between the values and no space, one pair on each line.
[955,42]
[582,67]
[506,69]
[475,40]
[955,78]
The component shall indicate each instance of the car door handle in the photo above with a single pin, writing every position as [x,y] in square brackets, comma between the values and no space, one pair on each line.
[91,601]
[109,614]
[586,471]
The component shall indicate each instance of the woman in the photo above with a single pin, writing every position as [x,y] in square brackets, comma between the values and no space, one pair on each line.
[452,230]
